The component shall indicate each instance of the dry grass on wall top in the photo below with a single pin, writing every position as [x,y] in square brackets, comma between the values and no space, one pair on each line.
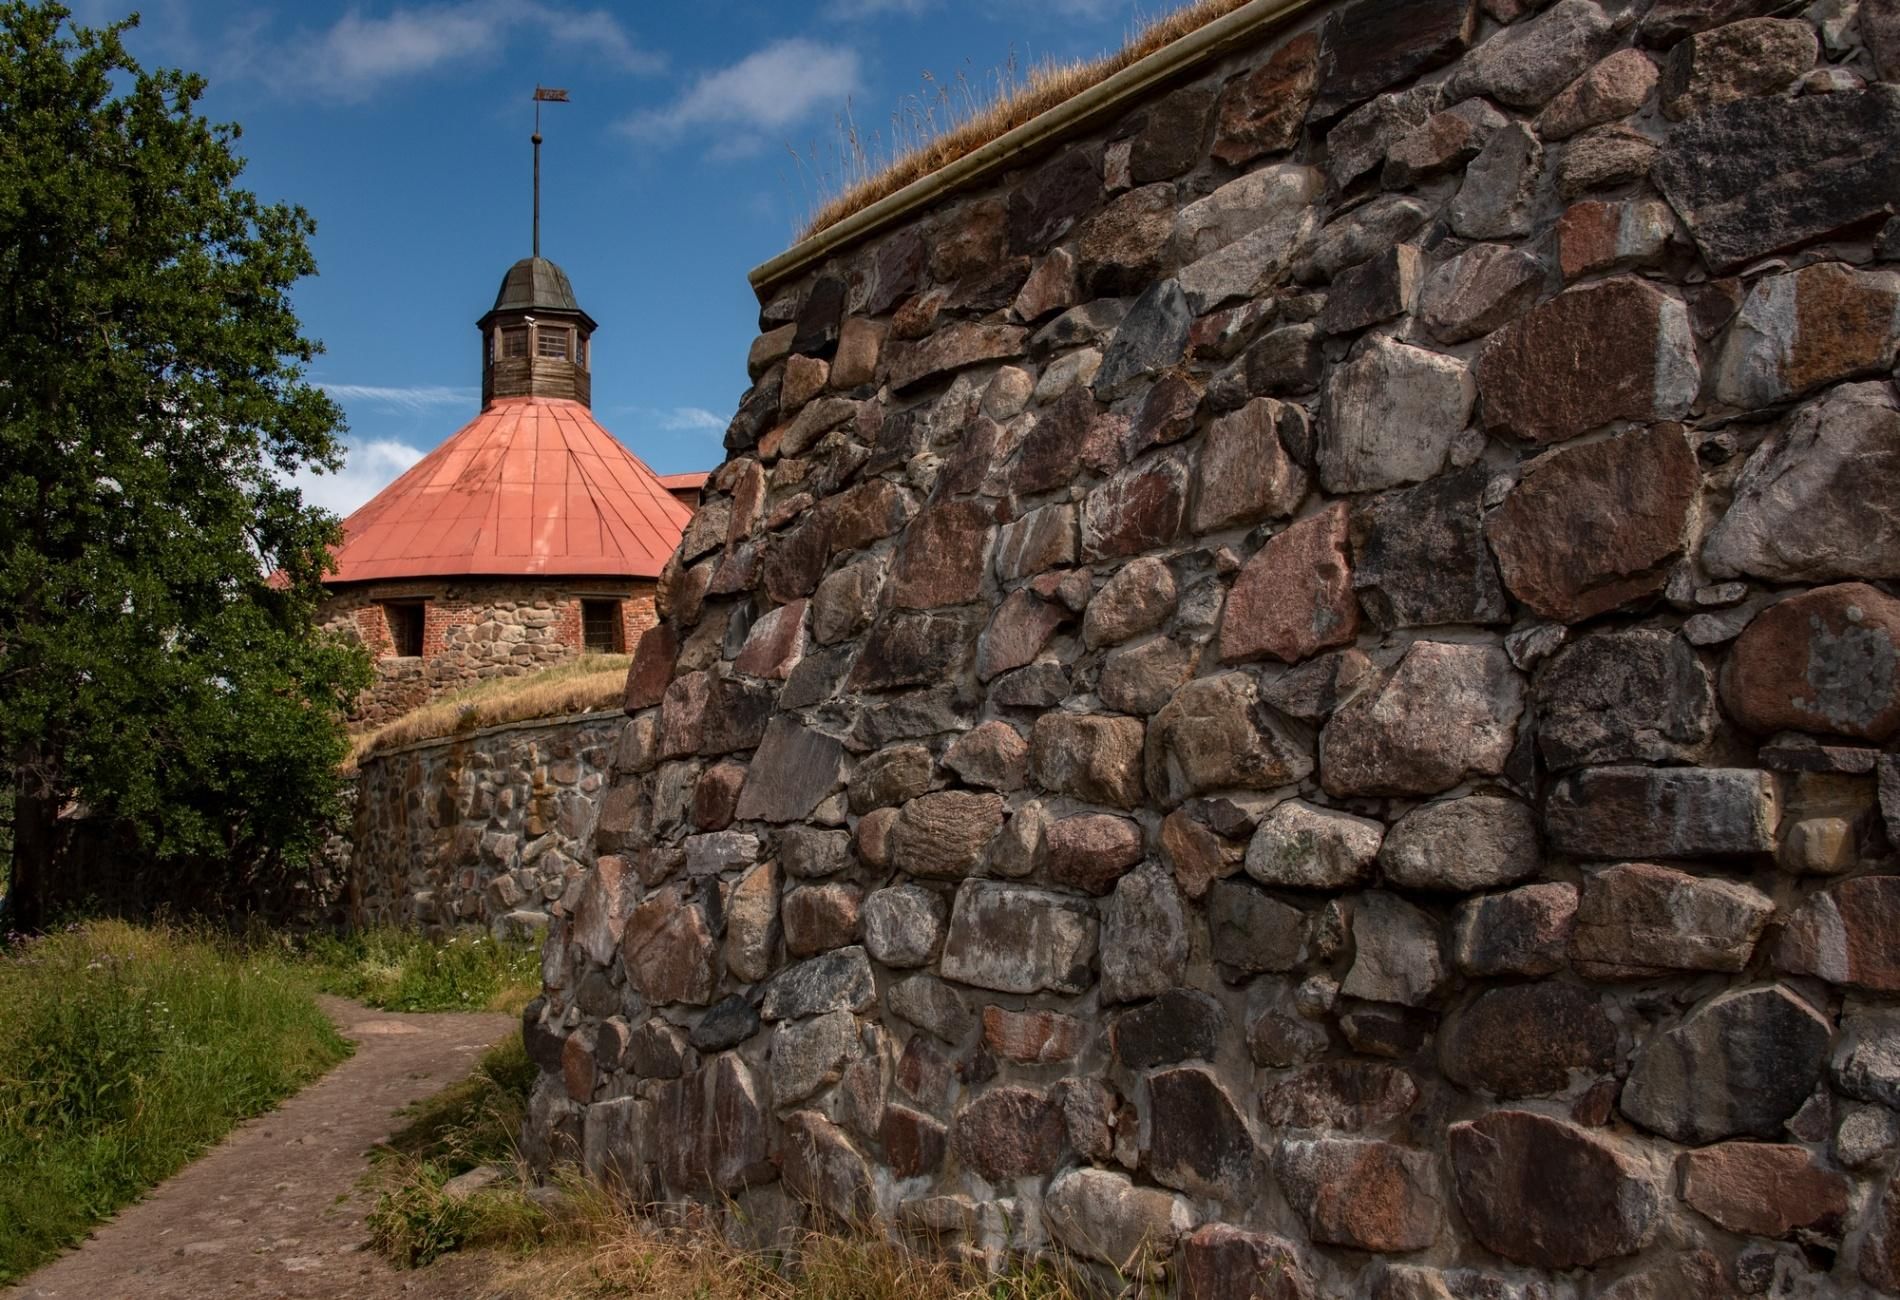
[585,685]
[931,133]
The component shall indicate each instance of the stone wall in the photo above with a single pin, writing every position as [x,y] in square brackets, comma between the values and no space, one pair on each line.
[487,829]
[1304,685]
[473,629]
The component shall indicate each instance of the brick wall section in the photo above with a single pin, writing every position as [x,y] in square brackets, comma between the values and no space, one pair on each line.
[1306,686]
[474,630]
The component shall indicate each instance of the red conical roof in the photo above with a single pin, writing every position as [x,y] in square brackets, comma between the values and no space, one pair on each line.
[532,485]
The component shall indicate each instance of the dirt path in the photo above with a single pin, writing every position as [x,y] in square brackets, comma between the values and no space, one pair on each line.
[273,1212]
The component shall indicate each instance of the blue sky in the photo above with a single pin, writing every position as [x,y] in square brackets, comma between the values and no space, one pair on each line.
[403,127]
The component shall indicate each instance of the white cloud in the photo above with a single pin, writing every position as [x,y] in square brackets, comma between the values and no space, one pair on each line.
[691,419]
[360,53]
[423,397]
[768,91]
[368,468]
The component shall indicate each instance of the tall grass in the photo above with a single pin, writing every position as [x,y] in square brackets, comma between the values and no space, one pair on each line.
[124,1052]
[396,970]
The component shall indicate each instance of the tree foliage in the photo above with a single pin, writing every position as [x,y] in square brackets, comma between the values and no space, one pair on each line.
[160,675]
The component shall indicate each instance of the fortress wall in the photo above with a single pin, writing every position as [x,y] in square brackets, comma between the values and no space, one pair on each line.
[1302,688]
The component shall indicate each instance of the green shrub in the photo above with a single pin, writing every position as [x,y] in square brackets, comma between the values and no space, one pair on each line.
[126,1051]
[396,970]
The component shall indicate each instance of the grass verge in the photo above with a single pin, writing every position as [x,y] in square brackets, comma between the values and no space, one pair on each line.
[953,121]
[395,970]
[583,685]
[124,1052]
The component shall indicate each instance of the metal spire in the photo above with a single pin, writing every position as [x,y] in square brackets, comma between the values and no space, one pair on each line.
[542,95]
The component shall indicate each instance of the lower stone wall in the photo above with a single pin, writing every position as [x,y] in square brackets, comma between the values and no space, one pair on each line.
[474,630]
[489,829]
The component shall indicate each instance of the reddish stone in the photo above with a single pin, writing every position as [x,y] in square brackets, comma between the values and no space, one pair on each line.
[872,838]
[1137,598]
[1880,1249]
[1591,528]
[1619,350]
[1526,1040]
[712,1127]
[1546,1193]
[818,918]
[912,648]
[652,667]
[1195,853]
[1824,661]
[1764,1189]
[1373,45]
[1245,474]
[682,714]
[1447,711]
[1053,445]
[1798,331]
[1226,1263]
[1637,920]
[944,556]
[794,770]
[669,950]
[1295,597]
[1594,236]
[578,1068]
[794,560]
[1032,1037]
[1040,540]
[1138,509]
[1093,758]
[1017,633]
[864,514]
[1091,851]
[1362,1194]
[1522,931]
[1263,111]
[943,836]
[994,756]
[1215,734]
[913,1142]
[1849,935]
[716,796]
[775,644]
[824,1170]
[1009,1133]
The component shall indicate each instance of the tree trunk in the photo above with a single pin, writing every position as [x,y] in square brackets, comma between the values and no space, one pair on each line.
[35,843]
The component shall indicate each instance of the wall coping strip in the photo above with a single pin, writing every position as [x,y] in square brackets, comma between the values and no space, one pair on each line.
[1202,46]
[500,728]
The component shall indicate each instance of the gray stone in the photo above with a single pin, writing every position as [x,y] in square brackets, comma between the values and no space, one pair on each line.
[1419,557]
[1242,239]
[1151,338]
[836,981]
[1526,64]
[1300,846]
[1635,695]
[1397,953]
[1180,1025]
[1103,1216]
[1866,1064]
[1041,540]
[1252,931]
[1018,940]
[1476,842]
[1762,175]
[1739,1064]
[1799,331]
[1866,1137]
[823,1169]
[1757,56]
[1498,198]
[1637,920]
[1244,474]
[1484,287]
[809,853]
[1360,234]
[1144,945]
[1198,1142]
[889,777]
[1445,712]
[1374,291]
[1641,812]
[1359,141]
[710,855]
[1391,415]
[931,1005]
[1816,501]
[811,1054]
[1371,45]
[1607,156]
[727,1023]
[904,925]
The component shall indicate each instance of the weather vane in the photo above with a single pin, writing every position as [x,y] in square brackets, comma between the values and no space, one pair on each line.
[542,95]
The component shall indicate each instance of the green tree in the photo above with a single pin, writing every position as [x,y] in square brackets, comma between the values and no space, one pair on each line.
[161,678]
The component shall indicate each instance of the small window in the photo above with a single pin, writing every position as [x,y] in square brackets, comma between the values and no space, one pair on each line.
[600,627]
[405,628]
[514,341]
[551,343]
[580,350]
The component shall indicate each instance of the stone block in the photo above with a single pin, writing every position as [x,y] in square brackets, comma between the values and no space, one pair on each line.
[1643,812]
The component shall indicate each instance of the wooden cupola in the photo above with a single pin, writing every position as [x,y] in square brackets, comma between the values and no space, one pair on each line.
[536,340]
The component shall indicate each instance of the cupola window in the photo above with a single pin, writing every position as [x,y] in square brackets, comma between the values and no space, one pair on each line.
[551,343]
[514,342]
